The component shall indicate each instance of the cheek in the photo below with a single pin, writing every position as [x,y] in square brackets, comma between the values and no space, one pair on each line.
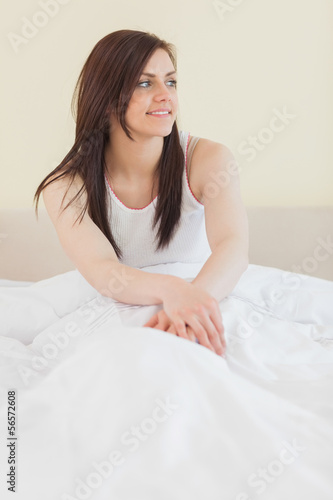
[137,105]
[175,101]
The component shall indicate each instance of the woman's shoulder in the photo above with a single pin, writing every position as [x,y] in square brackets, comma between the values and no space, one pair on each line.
[61,187]
[207,155]
[207,146]
[200,148]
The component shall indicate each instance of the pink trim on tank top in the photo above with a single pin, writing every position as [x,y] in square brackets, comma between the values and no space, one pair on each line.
[129,208]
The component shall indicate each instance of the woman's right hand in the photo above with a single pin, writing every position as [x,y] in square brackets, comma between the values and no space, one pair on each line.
[188,305]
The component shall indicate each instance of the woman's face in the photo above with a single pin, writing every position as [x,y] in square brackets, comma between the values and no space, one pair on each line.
[156,91]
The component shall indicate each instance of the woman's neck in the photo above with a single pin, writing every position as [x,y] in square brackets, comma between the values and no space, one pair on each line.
[133,161]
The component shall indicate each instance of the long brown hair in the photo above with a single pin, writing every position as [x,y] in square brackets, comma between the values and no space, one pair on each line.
[106,83]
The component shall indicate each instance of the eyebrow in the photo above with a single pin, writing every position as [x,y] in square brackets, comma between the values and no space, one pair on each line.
[152,75]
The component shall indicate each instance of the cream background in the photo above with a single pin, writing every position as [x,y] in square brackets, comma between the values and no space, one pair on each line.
[233,72]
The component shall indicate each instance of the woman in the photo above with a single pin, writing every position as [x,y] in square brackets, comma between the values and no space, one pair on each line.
[127,195]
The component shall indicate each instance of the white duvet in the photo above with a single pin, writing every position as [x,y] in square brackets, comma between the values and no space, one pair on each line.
[109,410]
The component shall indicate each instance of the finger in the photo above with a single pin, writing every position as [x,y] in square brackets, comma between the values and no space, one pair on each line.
[200,332]
[217,320]
[172,330]
[190,333]
[152,322]
[212,332]
[222,337]
[159,321]
[163,321]
[212,322]
[180,328]
[219,327]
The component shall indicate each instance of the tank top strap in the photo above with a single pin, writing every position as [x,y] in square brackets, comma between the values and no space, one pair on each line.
[193,142]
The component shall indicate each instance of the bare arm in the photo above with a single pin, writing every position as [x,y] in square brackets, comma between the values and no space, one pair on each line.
[226,220]
[94,257]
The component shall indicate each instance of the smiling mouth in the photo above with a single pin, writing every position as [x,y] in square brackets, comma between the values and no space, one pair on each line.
[160,113]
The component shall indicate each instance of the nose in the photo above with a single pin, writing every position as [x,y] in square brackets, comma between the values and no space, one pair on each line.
[162,92]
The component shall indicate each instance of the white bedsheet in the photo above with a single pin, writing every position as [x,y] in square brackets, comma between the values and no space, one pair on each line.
[109,410]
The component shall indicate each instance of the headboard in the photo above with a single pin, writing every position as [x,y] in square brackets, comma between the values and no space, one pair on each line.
[294,239]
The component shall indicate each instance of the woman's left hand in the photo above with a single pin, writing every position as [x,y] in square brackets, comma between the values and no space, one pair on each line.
[161,321]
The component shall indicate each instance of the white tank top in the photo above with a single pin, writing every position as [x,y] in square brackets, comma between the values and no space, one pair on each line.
[132,227]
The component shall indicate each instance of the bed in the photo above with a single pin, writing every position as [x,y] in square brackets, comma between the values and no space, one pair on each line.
[109,409]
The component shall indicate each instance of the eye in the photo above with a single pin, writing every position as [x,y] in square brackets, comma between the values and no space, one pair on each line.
[144,84]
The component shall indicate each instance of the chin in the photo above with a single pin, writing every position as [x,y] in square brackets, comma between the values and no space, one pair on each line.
[153,130]
[156,131]
[162,129]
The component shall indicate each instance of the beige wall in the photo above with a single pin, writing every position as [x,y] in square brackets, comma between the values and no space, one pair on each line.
[241,64]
